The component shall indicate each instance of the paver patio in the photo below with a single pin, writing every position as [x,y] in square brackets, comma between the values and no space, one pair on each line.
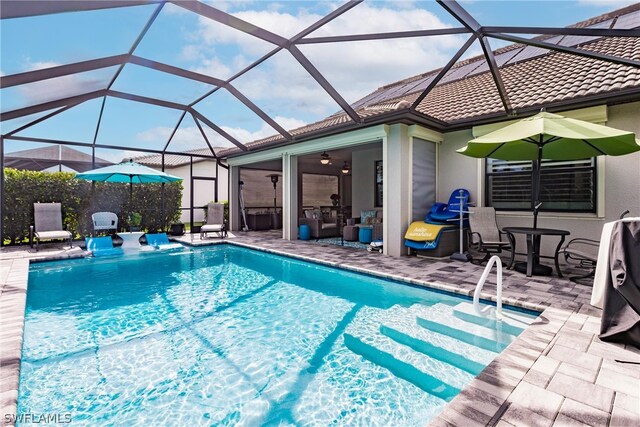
[556,373]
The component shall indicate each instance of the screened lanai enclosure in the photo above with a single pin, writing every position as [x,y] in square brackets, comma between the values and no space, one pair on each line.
[185,84]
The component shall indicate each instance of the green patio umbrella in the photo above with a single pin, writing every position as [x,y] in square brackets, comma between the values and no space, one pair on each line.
[552,137]
[128,172]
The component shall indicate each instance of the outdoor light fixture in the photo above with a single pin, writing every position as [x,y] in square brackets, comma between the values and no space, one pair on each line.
[325,158]
[345,168]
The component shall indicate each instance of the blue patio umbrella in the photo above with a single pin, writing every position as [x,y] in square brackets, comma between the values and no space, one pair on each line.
[131,172]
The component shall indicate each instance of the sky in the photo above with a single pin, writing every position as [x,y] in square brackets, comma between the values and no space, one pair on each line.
[279,86]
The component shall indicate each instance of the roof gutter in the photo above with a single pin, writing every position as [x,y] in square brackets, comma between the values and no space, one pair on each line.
[400,116]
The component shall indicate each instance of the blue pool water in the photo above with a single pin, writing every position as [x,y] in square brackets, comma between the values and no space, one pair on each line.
[226,336]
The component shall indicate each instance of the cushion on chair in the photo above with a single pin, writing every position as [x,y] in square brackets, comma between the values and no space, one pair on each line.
[367,214]
[61,234]
[308,213]
[326,225]
[211,227]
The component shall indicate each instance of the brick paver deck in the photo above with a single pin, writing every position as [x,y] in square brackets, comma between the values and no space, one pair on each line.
[556,373]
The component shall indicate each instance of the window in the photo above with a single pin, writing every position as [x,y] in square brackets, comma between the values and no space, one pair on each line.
[378,189]
[317,189]
[565,186]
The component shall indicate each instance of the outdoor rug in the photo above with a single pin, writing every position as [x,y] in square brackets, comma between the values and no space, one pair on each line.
[336,241]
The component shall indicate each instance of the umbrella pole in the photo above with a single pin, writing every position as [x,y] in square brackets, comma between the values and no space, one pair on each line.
[535,193]
[130,199]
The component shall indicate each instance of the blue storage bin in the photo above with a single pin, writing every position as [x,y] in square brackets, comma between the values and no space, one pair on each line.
[304,232]
[366,234]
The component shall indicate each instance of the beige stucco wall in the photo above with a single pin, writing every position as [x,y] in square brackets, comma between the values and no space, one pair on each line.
[362,179]
[621,183]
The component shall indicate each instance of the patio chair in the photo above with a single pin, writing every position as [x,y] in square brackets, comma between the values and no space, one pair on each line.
[484,234]
[101,246]
[161,242]
[104,221]
[48,224]
[582,253]
[215,221]
[321,225]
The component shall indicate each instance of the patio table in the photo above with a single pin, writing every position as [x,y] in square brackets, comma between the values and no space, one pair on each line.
[533,266]
[131,240]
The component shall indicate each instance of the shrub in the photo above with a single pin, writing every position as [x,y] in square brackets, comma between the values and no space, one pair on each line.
[80,199]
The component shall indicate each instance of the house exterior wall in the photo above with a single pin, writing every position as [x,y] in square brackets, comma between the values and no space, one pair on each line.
[363,179]
[621,184]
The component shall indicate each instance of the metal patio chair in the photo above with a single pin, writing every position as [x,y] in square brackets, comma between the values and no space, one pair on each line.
[484,234]
[48,224]
[215,221]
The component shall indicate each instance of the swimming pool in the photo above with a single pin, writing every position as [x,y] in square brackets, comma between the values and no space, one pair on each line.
[226,335]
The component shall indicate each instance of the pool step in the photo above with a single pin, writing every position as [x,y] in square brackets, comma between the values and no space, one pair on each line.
[432,346]
[401,369]
[433,351]
[512,322]
[461,335]
[480,328]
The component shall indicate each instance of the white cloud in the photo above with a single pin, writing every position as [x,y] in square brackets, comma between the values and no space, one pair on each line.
[354,69]
[611,4]
[289,123]
[185,138]
[60,87]
[190,138]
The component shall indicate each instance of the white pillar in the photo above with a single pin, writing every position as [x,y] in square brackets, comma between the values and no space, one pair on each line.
[234,202]
[289,197]
[396,157]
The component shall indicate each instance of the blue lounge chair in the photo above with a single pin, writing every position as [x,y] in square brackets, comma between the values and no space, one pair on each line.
[101,246]
[442,213]
[161,242]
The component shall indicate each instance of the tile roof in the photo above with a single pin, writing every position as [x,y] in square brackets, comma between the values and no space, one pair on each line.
[468,92]
[174,160]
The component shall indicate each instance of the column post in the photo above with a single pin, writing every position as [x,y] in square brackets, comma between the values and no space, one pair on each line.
[234,200]
[289,197]
[396,151]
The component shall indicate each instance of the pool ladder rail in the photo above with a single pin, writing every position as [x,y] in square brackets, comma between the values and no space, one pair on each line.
[487,311]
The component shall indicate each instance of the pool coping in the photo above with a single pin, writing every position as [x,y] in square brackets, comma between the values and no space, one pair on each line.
[525,380]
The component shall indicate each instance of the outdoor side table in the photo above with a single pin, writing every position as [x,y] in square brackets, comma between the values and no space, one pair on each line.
[533,266]
[131,240]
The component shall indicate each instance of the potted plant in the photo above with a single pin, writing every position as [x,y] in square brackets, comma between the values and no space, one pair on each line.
[335,199]
[177,229]
[135,220]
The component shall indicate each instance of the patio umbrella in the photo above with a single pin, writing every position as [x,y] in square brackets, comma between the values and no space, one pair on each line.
[553,137]
[131,172]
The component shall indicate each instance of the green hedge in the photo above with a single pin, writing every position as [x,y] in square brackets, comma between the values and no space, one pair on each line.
[80,199]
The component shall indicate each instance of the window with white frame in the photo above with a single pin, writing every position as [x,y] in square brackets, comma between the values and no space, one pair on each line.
[566,186]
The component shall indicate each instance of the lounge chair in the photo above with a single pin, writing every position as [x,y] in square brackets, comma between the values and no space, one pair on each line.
[484,234]
[584,254]
[161,242]
[48,224]
[443,213]
[101,246]
[215,221]
[104,221]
